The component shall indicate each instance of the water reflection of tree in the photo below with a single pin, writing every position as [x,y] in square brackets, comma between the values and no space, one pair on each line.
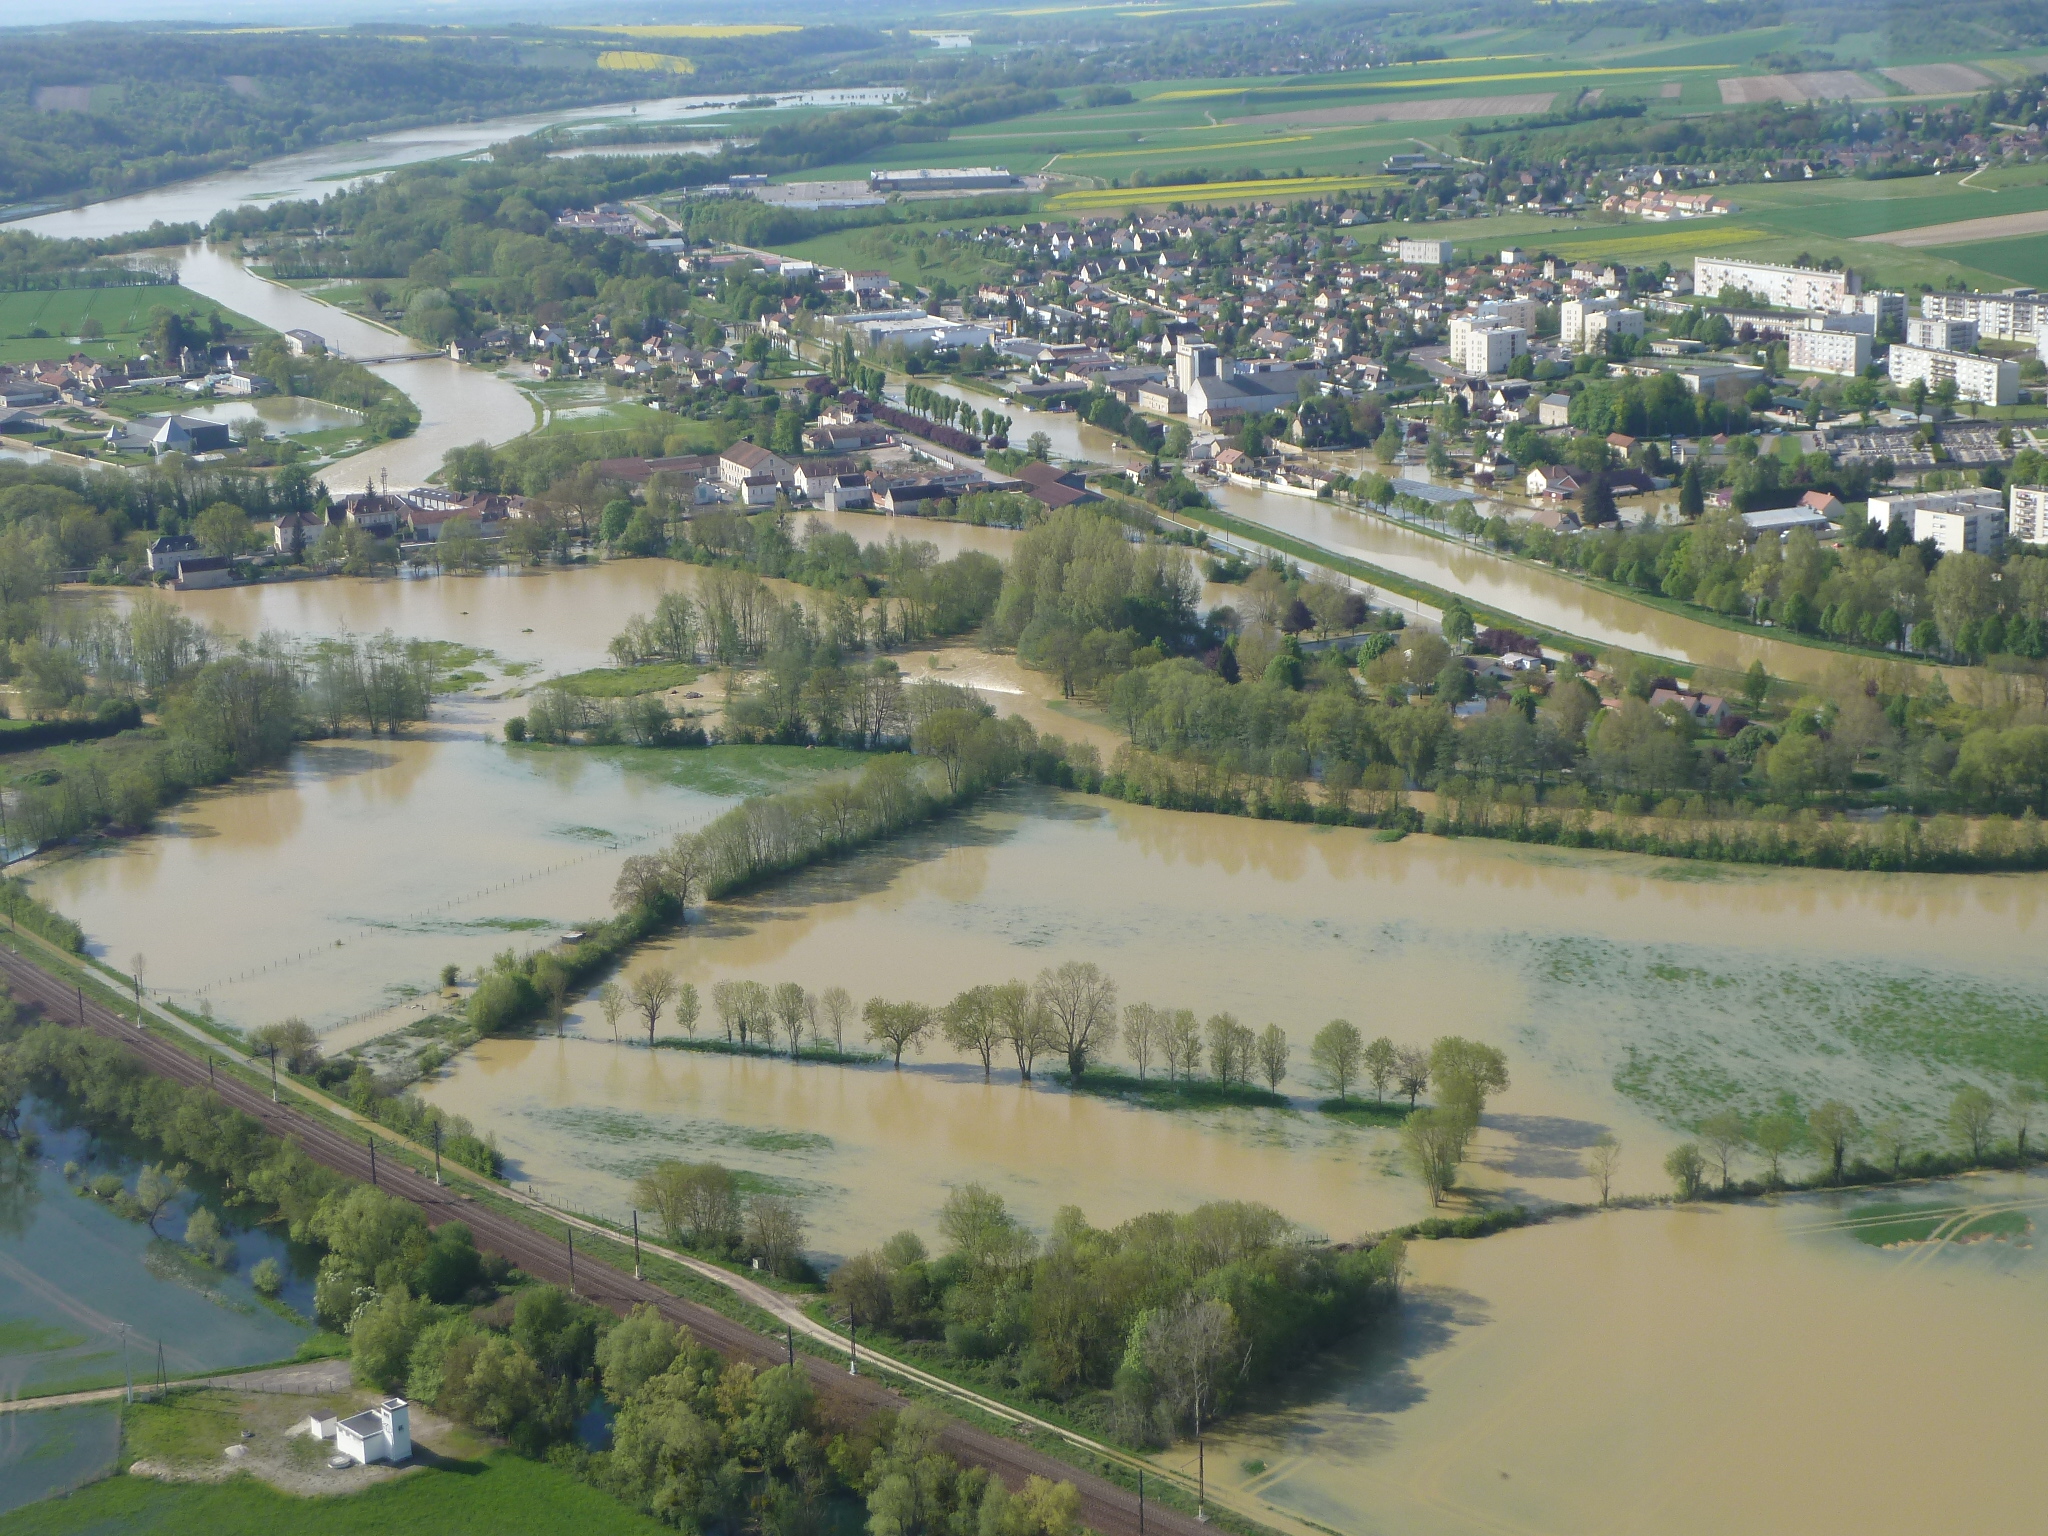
[19,1189]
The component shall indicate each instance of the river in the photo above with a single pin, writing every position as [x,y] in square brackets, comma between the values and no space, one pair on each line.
[1542,597]
[317,173]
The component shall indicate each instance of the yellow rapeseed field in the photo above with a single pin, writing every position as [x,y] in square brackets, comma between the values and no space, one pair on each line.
[646,63]
[1211,191]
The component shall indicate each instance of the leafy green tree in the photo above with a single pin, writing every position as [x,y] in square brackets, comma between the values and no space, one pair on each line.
[900,1026]
[1381,1061]
[1723,1134]
[1434,1141]
[635,1352]
[223,530]
[1833,1126]
[1688,1170]
[1336,1053]
[1774,1136]
[382,1337]
[1272,1055]
[1971,1115]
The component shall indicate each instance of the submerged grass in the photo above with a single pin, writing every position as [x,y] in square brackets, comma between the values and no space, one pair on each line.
[1688,1029]
[1166,1093]
[624,682]
[1886,1223]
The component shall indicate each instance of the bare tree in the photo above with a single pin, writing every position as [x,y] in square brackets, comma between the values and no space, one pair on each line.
[611,999]
[652,990]
[1144,1034]
[791,1014]
[687,1008]
[1834,1125]
[774,1232]
[1080,1006]
[730,1003]
[1971,1115]
[1191,1351]
[901,1025]
[837,1004]
[970,1023]
[1602,1161]
[1411,1071]
[2021,1104]
[1890,1139]
[682,870]
[1183,1045]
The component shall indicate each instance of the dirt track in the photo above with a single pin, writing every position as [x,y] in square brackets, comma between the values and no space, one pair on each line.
[1999,226]
[1104,1506]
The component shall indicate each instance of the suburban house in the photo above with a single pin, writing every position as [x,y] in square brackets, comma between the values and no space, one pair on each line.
[1553,480]
[1704,708]
[759,490]
[291,534]
[167,551]
[382,1433]
[1055,488]
[304,343]
[845,493]
[1554,411]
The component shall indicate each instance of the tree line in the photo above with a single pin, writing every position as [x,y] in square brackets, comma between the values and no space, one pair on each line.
[1144,1332]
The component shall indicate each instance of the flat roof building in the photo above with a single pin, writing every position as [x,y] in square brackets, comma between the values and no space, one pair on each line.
[1780,287]
[1842,353]
[1987,380]
[1424,253]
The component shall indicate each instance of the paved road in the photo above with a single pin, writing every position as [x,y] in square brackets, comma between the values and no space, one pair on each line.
[1105,1507]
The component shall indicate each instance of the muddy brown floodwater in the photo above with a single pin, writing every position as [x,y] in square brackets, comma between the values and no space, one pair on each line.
[1679,1373]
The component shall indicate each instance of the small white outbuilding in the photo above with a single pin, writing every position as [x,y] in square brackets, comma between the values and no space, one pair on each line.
[382,1433]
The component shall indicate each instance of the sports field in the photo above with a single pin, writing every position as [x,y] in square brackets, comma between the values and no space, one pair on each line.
[45,324]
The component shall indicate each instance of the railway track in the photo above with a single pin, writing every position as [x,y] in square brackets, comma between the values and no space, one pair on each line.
[1105,1507]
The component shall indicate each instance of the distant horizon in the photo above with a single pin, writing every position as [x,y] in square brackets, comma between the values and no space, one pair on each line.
[414,12]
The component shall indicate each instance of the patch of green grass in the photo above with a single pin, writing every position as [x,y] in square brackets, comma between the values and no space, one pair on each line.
[25,1336]
[1162,1093]
[813,1052]
[123,315]
[729,770]
[1365,1112]
[500,1494]
[1891,1221]
[624,682]
[186,1426]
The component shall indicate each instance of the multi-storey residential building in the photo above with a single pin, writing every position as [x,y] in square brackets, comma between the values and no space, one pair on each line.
[1571,318]
[1603,323]
[1842,353]
[1425,253]
[2028,522]
[1942,335]
[1987,380]
[1780,287]
[1972,519]
[1485,345]
[2018,315]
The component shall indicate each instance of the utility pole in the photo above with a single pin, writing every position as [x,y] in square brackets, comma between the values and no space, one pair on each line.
[127,1375]
[372,1140]
[791,1331]
[571,1233]
[274,1099]
[852,1342]
[636,1244]
[1141,1501]
[81,1010]
[437,1152]
[209,1070]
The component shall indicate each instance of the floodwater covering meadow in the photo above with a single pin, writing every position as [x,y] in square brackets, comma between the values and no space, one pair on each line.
[1687,1372]
[1630,994]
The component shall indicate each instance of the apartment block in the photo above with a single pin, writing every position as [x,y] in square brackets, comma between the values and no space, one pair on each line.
[1972,519]
[2018,315]
[1780,287]
[1424,253]
[1942,335]
[1485,346]
[1885,305]
[1603,323]
[1987,380]
[1842,353]
[2028,523]
[1571,318]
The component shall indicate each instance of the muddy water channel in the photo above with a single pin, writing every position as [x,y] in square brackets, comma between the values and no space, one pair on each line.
[1685,1373]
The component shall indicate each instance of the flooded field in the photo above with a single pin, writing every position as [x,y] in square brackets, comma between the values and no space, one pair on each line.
[87,1296]
[1625,1000]
[1686,1373]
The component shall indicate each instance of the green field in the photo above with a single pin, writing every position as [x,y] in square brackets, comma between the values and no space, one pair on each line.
[123,313]
[499,1494]
[1889,1222]
[624,682]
